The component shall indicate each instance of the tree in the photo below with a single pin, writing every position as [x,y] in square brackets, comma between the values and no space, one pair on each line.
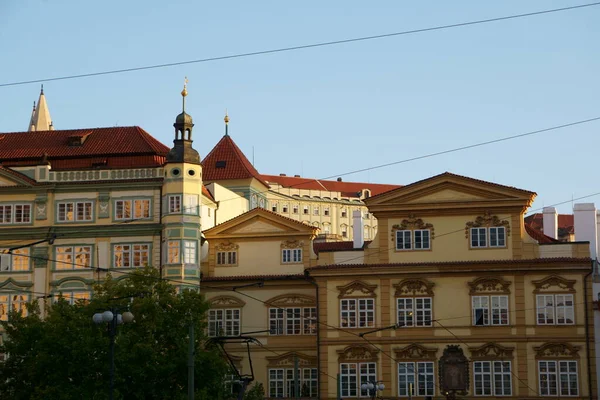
[65,355]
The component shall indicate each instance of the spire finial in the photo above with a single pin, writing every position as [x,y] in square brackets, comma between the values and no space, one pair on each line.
[42,91]
[226,119]
[184,93]
[34,105]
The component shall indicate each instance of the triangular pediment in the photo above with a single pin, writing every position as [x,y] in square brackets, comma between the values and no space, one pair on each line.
[449,189]
[260,223]
[8,177]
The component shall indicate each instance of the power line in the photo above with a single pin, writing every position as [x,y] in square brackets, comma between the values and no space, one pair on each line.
[302,47]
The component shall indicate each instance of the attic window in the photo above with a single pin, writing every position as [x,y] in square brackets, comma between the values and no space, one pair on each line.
[77,140]
[220,164]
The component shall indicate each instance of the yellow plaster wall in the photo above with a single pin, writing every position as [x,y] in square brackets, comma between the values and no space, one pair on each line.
[230,204]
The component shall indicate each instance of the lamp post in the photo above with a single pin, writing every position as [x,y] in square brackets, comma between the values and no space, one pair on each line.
[372,388]
[112,318]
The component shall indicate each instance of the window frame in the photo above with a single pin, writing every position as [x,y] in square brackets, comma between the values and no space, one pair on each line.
[9,305]
[350,382]
[75,211]
[485,241]
[132,253]
[191,204]
[489,309]
[355,313]
[280,321]
[291,256]
[555,309]
[17,254]
[546,391]
[74,254]
[414,311]
[133,209]
[189,254]
[493,376]
[12,214]
[175,203]
[71,295]
[413,375]
[409,239]
[229,258]
[224,322]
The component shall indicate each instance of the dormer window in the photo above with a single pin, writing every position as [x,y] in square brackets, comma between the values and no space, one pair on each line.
[220,164]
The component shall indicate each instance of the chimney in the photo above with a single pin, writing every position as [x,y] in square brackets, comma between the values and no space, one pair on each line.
[339,179]
[296,176]
[550,222]
[358,229]
[282,175]
[586,226]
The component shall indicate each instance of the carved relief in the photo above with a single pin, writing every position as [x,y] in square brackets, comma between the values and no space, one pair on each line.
[414,287]
[226,246]
[225,302]
[41,207]
[357,353]
[357,288]
[487,220]
[411,223]
[553,283]
[291,244]
[291,300]
[489,285]
[416,352]
[454,371]
[491,351]
[556,350]
[103,202]
[287,360]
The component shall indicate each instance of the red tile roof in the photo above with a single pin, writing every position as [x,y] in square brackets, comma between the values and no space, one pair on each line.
[207,194]
[118,147]
[19,176]
[336,246]
[226,161]
[347,189]
[539,236]
[566,223]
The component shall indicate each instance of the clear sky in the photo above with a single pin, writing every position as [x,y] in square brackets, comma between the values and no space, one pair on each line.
[325,111]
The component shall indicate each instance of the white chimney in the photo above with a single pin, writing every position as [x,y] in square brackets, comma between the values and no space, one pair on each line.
[358,229]
[550,222]
[586,226]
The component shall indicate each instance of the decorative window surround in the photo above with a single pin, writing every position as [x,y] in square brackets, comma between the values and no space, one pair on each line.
[558,362]
[412,234]
[555,300]
[484,232]
[226,254]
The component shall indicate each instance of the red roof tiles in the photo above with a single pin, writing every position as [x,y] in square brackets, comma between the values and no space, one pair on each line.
[566,223]
[347,189]
[539,236]
[226,161]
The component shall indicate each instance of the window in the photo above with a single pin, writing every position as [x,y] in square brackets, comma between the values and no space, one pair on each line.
[12,302]
[282,382]
[292,321]
[414,311]
[289,256]
[352,375]
[316,210]
[17,261]
[555,309]
[488,237]
[484,305]
[413,240]
[77,211]
[357,313]
[226,257]
[492,378]
[132,209]
[191,204]
[73,257]
[131,255]
[326,228]
[295,209]
[224,322]
[558,382]
[305,210]
[189,252]
[284,208]
[344,229]
[416,376]
[75,297]
[15,213]
[344,213]
[175,204]
[173,252]
[367,215]
[274,207]
[326,211]
[366,233]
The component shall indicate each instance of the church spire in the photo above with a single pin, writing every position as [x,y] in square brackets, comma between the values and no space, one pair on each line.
[40,117]
[182,150]
[226,119]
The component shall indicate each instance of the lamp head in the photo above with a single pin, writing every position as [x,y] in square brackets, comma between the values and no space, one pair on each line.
[107,316]
[128,317]
[97,318]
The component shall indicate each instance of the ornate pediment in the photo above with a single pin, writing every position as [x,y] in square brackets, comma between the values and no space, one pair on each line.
[556,350]
[292,244]
[416,352]
[298,300]
[288,359]
[491,351]
[357,288]
[490,284]
[414,287]
[411,223]
[227,246]
[486,221]
[225,302]
[358,353]
[554,283]
[10,283]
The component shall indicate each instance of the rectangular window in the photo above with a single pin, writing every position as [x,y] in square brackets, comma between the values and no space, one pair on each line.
[226,257]
[17,261]
[403,240]
[282,383]
[353,375]
[492,378]
[276,321]
[357,313]
[173,252]
[414,311]
[274,207]
[132,255]
[276,382]
[291,256]
[305,210]
[174,204]
[295,210]
[344,231]
[478,237]
[497,236]
[292,321]
[555,309]
[482,306]
[558,378]
[309,321]
[417,376]
[12,302]
[316,210]
[73,257]
[326,211]
[15,214]
[78,211]
[344,213]
[191,204]
[224,322]
[284,209]
[189,252]
[75,297]
[6,214]
[133,209]
[421,239]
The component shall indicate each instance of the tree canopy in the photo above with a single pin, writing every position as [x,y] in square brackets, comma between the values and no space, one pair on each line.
[66,356]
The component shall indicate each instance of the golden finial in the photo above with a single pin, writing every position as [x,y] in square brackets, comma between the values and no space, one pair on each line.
[184,91]
[226,119]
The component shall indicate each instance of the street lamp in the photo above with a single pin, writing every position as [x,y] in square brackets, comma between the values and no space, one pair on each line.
[112,318]
[372,388]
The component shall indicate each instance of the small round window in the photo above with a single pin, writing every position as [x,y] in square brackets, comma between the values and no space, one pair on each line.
[191,172]
[175,172]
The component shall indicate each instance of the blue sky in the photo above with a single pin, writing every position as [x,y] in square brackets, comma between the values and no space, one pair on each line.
[322,112]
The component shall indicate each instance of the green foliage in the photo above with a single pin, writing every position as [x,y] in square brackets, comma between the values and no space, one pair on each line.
[66,356]
[256,392]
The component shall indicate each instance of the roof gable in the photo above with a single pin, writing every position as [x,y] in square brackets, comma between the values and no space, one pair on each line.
[9,177]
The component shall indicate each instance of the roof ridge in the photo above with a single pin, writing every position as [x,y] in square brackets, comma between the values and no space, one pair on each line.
[150,140]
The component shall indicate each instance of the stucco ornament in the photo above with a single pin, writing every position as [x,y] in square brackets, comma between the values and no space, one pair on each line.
[556,350]
[226,246]
[291,244]
[358,353]
[490,351]
[416,352]
[355,288]
[487,220]
[414,287]
[454,372]
[412,222]
[490,284]
[554,282]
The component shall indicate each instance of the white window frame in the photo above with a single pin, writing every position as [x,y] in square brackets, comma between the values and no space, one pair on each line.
[497,236]
[477,240]
[74,296]
[284,382]
[316,210]
[17,214]
[305,210]
[353,375]
[488,237]
[557,311]
[75,253]
[131,255]
[190,253]
[492,378]
[414,311]
[225,258]
[561,371]
[422,239]
[174,203]
[421,374]
[493,309]
[295,209]
[12,301]
[17,260]
[292,321]
[133,209]
[191,204]
[291,256]
[227,320]
[63,208]
[357,312]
